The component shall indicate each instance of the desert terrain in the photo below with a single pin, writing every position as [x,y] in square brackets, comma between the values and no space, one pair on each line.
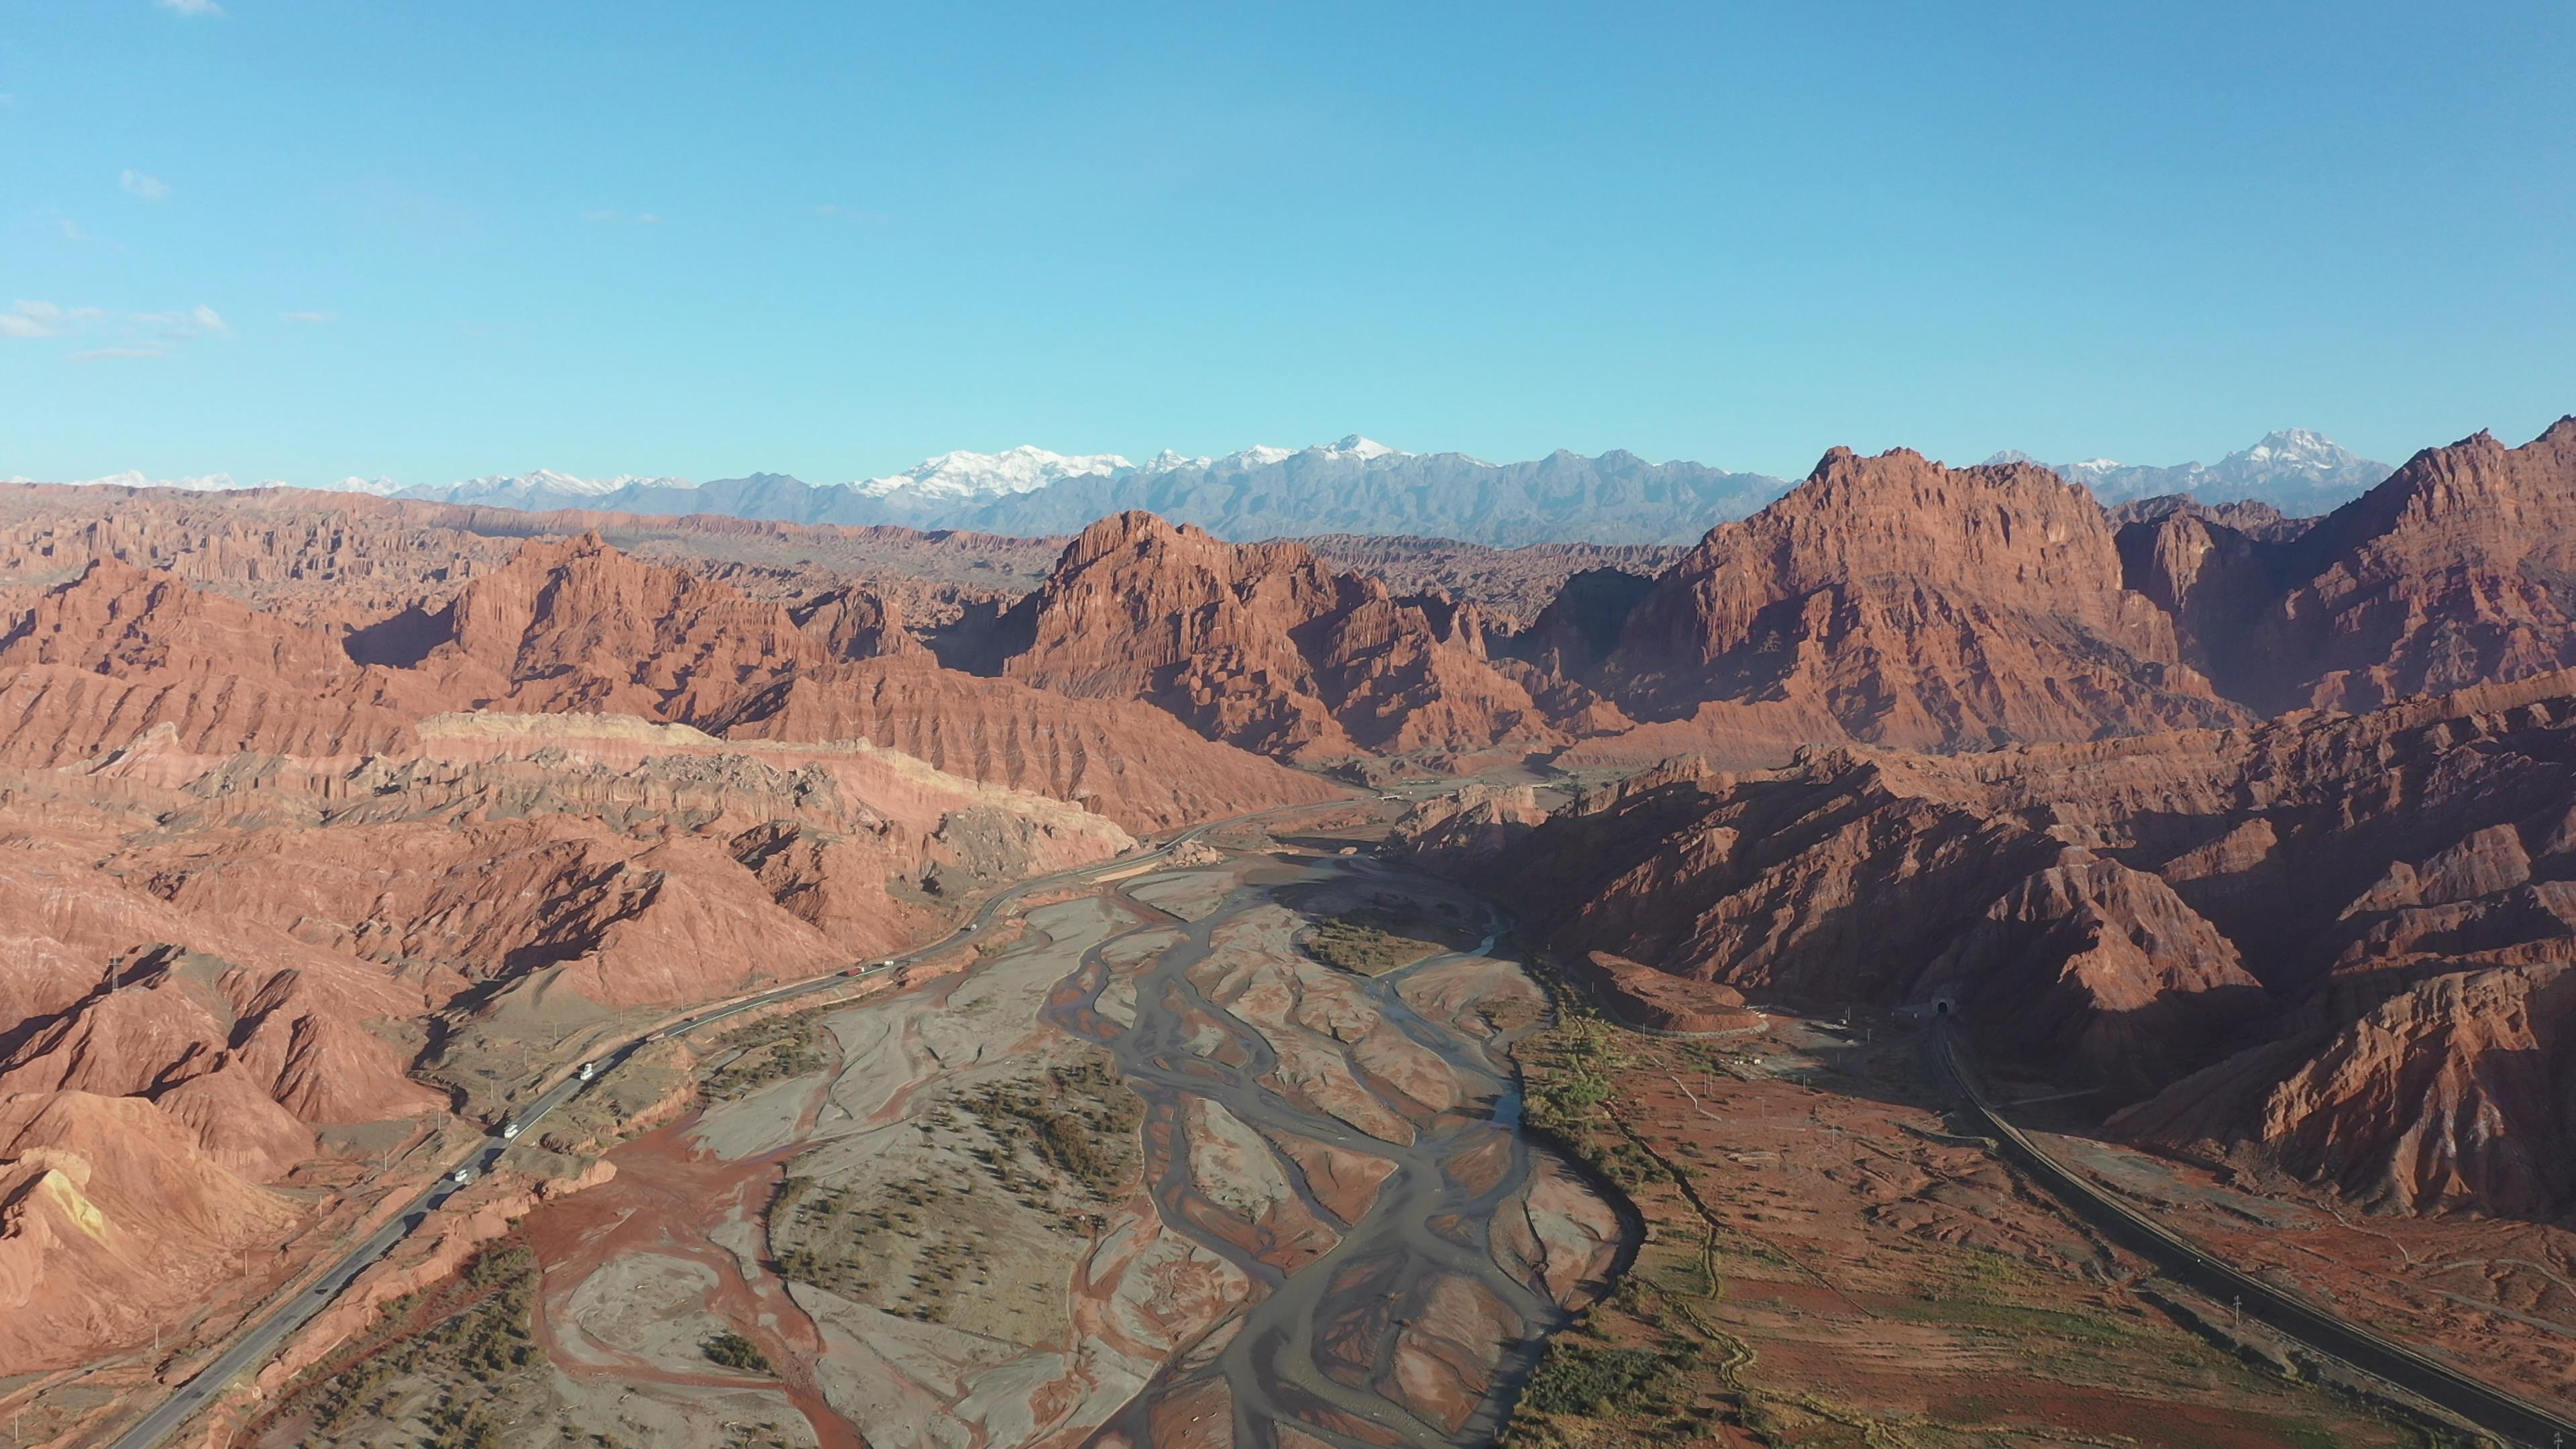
[1149,1172]
[339,830]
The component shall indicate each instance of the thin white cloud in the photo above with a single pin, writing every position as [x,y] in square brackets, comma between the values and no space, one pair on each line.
[192,8]
[849,213]
[112,354]
[44,319]
[309,319]
[197,321]
[150,188]
[72,231]
[606,217]
[117,334]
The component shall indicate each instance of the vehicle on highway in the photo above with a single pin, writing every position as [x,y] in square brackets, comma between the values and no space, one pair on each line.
[509,1131]
[886,963]
[589,1070]
[461,1176]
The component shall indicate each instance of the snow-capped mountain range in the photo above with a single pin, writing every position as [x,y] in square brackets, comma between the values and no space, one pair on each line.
[2299,472]
[1355,485]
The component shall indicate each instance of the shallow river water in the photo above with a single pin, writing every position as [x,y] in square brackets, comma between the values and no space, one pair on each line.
[1341,1238]
[1324,1348]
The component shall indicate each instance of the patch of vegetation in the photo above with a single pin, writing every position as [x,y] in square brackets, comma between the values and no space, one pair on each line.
[1080,1120]
[766,1052]
[829,1237]
[1576,1379]
[465,1337]
[1374,940]
[734,1351]
[1567,1072]
[2011,1318]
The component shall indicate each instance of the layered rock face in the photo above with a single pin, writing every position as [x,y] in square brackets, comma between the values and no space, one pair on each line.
[215,959]
[2333,941]
[2452,572]
[2453,1094]
[1881,879]
[1264,647]
[115,652]
[1896,601]
[261,892]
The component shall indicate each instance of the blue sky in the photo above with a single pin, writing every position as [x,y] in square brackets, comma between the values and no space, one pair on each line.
[302,239]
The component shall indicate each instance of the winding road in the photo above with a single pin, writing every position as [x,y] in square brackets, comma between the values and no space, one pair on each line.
[2513,1419]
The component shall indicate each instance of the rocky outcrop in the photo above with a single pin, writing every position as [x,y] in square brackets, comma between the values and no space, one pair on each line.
[117,652]
[1261,646]
[577,625]
[1132,763]
[111,1218]
[1651,1000]
[1896,601]
[1851,878]
[2330,941]
[2450,573]
[2454,1094]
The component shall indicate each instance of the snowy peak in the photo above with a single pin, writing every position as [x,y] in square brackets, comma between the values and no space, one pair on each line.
[547,480]
[961,475]
[2298,471]
[1356,446]
[2293,448]
[207,483]
[965,477]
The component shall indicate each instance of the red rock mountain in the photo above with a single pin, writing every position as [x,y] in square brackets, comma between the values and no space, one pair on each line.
[1262,646]
[2453,572]
[115,652]
[1896,601]
[260,890]
[2376,908]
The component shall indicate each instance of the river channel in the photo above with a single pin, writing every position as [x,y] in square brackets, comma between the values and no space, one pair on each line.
[1327,1228]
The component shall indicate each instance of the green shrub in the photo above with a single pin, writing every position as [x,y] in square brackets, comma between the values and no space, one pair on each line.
[734,1351]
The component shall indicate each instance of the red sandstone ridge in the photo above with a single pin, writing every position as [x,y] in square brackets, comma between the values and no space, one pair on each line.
[1850,877]
[2450,1094]
[1130,762]
[99,660]
[1262,646]
[102,661]
[1653,1000]
[1896,601]
[2376,908]
[576,625]
[2450,573]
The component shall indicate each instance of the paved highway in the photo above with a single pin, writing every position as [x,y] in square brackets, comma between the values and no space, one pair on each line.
[2511,1419]
[254,1344]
